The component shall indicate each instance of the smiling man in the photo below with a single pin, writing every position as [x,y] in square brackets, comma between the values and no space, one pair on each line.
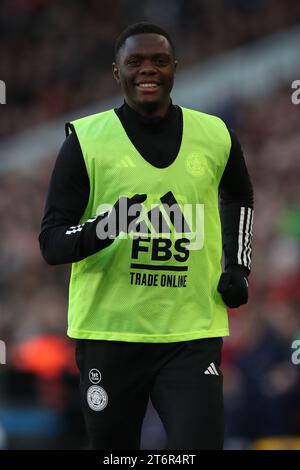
[145,67]
[134,203]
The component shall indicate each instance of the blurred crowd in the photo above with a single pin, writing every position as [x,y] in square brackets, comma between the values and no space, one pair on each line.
[55,55]
[55,58]
[262,385]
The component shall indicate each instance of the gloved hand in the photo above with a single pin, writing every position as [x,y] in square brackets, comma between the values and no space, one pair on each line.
[125,216]
[120,217]
[233,286]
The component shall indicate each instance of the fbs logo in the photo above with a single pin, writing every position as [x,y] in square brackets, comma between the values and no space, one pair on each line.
[155,232]
[169,220]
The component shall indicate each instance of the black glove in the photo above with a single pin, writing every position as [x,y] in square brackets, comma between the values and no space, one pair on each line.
[233,286]
[120,217]
[127,215]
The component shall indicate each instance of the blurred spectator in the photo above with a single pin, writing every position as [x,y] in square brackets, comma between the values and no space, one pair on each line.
[39,395]
[56,55]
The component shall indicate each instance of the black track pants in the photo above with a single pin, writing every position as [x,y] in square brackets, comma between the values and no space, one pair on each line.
[183,380]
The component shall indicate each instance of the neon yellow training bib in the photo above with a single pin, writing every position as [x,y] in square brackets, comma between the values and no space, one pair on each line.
[161,284]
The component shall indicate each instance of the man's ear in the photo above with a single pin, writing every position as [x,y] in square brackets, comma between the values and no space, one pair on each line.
[115,71]
[175,65]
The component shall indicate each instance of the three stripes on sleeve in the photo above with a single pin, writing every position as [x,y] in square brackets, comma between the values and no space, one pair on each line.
[245,237]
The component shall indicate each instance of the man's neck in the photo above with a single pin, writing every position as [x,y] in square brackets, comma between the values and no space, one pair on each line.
[160,112]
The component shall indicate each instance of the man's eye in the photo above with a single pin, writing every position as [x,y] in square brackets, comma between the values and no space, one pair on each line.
[132,62]
[162,61]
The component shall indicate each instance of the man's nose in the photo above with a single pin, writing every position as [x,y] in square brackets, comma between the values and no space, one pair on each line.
[147,68]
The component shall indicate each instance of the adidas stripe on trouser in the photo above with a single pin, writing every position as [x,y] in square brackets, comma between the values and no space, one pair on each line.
[188,401]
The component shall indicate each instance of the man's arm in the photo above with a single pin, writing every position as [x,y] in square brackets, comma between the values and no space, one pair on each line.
[236,210]
[62,239]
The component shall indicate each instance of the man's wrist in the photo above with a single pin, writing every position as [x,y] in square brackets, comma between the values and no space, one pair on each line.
[238,269]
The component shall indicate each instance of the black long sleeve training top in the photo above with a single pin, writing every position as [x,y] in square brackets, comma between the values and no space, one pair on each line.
[158,140]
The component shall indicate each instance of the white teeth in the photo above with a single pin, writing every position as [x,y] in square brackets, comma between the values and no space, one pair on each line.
[148,85]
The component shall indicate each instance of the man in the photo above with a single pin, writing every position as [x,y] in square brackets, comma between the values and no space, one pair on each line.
[147,293]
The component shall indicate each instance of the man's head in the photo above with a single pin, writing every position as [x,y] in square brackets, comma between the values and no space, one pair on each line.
[145,67]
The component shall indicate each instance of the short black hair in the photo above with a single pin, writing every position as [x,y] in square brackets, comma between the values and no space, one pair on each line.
[141,28]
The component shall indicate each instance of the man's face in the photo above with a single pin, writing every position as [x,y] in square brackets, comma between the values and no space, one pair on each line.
[145,69]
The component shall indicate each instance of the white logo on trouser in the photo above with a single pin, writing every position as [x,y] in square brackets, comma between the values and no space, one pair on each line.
[94,376]
[211,370]
[97,398]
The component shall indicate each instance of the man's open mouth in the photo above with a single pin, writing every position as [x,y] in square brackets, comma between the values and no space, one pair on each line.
[148,85]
